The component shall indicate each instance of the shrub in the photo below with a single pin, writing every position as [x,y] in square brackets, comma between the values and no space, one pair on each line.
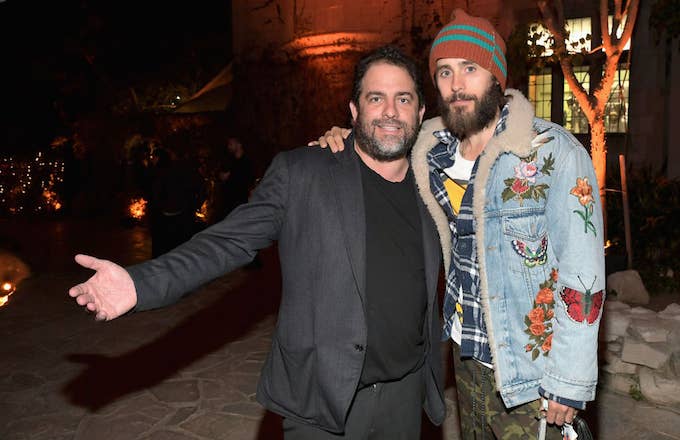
[654,206]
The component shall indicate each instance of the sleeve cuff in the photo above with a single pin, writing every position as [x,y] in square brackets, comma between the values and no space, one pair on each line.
[562,400]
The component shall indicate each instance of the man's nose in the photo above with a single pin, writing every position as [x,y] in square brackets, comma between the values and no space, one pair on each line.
[457,83]
[390,109]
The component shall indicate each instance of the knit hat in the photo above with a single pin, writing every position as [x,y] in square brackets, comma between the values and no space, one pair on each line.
[471,38]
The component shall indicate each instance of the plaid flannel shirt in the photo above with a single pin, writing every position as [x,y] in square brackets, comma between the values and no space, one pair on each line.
[462,281]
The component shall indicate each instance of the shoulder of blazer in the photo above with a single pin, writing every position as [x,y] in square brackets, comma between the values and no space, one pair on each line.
[310,156]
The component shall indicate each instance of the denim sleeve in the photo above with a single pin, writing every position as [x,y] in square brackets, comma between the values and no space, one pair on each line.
[561,400]
[575,228]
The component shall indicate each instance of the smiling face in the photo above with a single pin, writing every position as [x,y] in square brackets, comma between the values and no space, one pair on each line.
[387,117]
[469,96]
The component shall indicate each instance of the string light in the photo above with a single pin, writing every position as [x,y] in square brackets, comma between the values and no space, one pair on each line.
[30,185]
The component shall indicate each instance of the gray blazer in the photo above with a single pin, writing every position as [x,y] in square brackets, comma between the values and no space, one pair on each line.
[310,201]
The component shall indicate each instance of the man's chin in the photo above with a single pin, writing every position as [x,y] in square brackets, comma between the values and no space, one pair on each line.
[390,152]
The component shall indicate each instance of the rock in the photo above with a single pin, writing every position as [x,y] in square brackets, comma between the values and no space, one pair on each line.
[642,312]
[614,347]
[14,270]
[672,311]
[620,383]
[614,324]
[647,354]
[650,330]
[674,364]
[614,305]
[628,287]
[613,364]
[658,388]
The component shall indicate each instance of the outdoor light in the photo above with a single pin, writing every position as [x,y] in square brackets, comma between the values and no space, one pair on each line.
[137,208]
[6,290]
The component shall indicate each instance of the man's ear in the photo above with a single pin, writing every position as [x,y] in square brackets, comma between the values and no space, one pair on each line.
[354,110]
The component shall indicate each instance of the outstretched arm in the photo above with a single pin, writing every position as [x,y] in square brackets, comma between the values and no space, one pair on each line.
[109,293]
[333,139]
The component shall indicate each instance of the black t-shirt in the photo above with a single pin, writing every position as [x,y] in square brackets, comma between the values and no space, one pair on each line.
[396,298]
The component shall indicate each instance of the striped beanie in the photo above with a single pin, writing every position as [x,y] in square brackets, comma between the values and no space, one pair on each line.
[474,39]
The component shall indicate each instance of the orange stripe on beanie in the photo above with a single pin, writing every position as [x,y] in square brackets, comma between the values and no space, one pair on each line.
[474,39]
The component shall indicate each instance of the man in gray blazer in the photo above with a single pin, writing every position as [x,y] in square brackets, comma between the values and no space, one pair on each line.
[356,349]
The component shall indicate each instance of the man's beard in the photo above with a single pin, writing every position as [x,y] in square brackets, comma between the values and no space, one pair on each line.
[391,147]
[464,124]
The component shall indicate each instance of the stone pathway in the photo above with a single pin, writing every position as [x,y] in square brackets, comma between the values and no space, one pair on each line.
[188,371]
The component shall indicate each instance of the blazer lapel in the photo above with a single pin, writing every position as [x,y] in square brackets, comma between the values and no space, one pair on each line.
[431,250]
[346,180]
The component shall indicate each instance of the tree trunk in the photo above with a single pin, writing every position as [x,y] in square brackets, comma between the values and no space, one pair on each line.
[598,152]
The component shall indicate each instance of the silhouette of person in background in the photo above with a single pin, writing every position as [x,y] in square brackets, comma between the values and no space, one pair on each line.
[176,193]
[235,179]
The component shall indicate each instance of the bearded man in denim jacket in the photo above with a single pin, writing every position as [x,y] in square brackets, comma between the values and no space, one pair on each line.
[514,199]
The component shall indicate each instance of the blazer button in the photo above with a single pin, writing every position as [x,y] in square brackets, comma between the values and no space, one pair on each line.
[359,347]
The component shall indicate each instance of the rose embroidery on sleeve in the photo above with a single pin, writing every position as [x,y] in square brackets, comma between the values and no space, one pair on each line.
[539,320]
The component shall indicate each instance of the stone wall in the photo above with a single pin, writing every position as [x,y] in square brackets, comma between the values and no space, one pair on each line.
[640,352]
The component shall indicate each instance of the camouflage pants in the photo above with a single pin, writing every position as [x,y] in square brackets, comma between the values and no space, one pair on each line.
[483,416]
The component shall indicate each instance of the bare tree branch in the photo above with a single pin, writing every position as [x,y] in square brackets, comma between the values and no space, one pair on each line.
[553,18]
[631,12]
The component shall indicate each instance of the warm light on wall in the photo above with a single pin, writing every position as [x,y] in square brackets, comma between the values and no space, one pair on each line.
[328,44]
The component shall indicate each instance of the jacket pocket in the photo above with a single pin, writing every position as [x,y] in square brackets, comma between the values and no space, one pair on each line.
[291,381]
[526,250]
[526,242]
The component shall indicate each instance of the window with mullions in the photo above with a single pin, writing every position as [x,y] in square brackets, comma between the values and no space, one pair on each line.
[616,109]
[540,84]
[574,119]
[540,89]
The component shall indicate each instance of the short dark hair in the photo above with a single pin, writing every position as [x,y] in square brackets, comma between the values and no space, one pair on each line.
[390,55]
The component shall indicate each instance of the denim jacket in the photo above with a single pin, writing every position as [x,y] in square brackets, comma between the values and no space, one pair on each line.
[540,254]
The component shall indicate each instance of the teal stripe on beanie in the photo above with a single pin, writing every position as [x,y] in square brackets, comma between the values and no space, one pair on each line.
[476,41]
[462,37]
[500,65]
[467,27]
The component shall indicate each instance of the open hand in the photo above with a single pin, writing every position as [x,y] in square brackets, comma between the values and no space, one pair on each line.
[109,293]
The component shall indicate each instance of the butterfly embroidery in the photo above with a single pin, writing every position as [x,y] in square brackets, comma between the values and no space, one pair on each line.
[532,257]
[582,306]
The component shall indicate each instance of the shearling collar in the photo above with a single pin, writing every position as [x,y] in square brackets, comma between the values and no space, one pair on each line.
[515,139]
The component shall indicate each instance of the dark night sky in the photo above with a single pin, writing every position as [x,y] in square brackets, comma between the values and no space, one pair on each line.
[71,51]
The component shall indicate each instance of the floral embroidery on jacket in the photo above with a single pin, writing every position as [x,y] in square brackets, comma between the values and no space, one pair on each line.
[532,257]
[523,185]
[539,319]
[584,192]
